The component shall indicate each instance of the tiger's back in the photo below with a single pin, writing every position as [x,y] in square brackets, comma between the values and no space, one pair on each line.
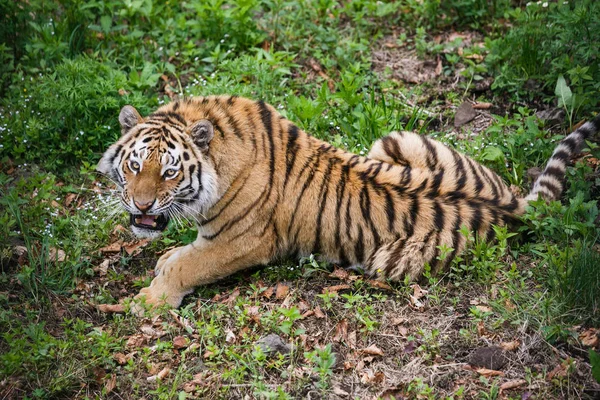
[279,191]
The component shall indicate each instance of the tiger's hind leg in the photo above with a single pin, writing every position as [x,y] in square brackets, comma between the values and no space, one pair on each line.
[407,257]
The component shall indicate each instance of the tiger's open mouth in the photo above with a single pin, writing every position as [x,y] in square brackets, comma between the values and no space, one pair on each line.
[151,222]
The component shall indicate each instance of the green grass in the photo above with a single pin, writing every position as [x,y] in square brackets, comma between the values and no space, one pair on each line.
[68,66]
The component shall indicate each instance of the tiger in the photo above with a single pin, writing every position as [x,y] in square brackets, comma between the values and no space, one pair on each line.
[260,189]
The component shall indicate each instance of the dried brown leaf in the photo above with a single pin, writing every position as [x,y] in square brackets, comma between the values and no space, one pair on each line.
[154,333]
[110,383]
[512,384]
[589,337]
[335,288]
[180,342]
[484,308]
[372,350]
[379,284]
[268,293]
[489,372]
[510,346]
[339,273]
[135,247]
[56,255]
[318,312]
[114,247]
[120,358]
[368,377]
[341,331]
[482,106]
[137,340]
[281,291]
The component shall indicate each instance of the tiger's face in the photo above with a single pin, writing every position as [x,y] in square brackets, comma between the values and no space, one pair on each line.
[161,166]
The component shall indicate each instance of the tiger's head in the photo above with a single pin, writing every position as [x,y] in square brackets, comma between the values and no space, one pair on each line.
[162,169]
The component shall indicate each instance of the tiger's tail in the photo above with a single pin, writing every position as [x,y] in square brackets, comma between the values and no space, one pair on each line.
[549,185]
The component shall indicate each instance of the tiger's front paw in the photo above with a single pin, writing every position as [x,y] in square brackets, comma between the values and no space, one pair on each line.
[157,294]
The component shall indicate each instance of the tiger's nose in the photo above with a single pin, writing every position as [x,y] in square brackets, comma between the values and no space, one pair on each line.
[143,207]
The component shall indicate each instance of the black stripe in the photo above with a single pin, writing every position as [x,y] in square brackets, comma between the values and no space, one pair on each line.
[554,171]
[390,210]
[365,208]
[478,181]
[432,157]
[291,150]
[438,216]
[434,191]
[561,155]
[266,116]
[340,189]
[359,248]
[394,256]
[555,190]
[571,143]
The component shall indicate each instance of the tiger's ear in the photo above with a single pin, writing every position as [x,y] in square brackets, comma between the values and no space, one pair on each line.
[128,118]
[202,133]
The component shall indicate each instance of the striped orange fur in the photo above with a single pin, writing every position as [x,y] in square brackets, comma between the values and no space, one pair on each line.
[260,188]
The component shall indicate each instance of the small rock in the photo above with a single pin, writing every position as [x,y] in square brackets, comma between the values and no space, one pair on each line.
[488,357]
[553,116]
[273,344]
[464,114]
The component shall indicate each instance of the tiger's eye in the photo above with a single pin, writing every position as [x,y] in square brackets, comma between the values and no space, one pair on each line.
[135,166]
[170,173]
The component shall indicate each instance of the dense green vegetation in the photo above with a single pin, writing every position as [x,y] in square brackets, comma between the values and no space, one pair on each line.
[68,66]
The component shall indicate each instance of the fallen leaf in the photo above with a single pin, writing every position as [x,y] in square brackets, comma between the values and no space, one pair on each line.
[102,269]
[481,328]
[335,288]
[69,199]
[120,358]
[379,284]
[438,67]
[339,273]
[351,342]
[111,308]
[482,106]
[512,384]
[180,342]
[152,332]
[281,291]
[368,377]
[589,337]
[510,346]
[489,372]
[57,255]
[268,293]
[484,308]
[373,350]
[135,247]
[341,331]
[398,321]
[338,391]
[114,247]
[418,292]
[137,340]
[232,297]
[318,312]
[110,383]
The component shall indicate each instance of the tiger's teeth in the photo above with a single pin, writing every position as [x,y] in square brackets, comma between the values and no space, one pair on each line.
[154,224]
[138,220]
